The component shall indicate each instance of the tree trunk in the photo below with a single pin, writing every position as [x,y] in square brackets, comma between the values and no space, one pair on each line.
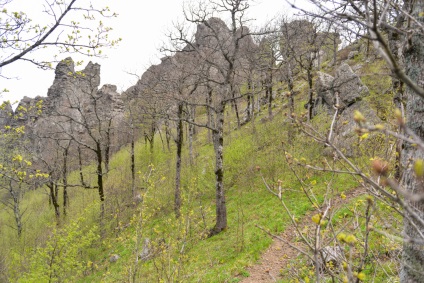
[249,102]
[235,105]
[65,179]
[191,131]
[209,113]
[18,215]
[269,91]
[413,254]
[100,171]
[16,195]
[107,146]
[218,140]
[310,93]
[394,40]
[54,199]
[132,160]
[179,142]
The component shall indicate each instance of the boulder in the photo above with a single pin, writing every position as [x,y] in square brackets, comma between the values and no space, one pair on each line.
[331,256]
[146,252]
[114,258]
[324,90]
[349,86]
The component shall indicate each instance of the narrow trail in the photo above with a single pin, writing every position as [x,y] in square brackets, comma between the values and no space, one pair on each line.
[279,254]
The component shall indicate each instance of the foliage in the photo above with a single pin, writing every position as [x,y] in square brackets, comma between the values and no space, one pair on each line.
[63,258]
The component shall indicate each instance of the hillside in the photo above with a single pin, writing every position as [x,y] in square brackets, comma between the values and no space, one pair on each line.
[138,239]
[293,152]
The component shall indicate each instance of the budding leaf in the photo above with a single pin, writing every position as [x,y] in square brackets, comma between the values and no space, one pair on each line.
[419,167]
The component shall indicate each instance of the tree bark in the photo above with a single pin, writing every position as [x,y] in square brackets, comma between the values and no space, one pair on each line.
[100,171]
[54,199]
[65,178]
[107,145]
[269,91]
[413,254]
[132,160]
[218,140]
[310,92]
[179,142]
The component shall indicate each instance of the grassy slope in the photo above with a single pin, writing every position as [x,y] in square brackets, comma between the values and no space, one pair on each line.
[217,259]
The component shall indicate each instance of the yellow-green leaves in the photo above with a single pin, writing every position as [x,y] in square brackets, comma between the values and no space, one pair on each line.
[316,218]
[419,168]
[358,117]
[17,158]
[348,239]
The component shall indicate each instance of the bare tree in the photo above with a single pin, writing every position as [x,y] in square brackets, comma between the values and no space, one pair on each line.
[66,28]
[217,51]
[85,115]
[404,22]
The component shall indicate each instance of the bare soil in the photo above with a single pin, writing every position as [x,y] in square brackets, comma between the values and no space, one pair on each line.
[274,260]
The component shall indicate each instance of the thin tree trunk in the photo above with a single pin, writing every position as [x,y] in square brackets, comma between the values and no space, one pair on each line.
[15,194]
[107,146]
[54,200]
[179,142]
[270,98]
[65,178]
[191,130]
[209,113]
[18,215]
[249,103]
[221,207]
[310,93]
[132,161]
[235,105]
[100,171]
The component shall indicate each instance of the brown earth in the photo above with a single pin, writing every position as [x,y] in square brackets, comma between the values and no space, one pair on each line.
[273,261]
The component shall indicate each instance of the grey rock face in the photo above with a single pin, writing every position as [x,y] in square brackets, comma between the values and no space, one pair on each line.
[346,85]
[73,95]
[325,92]
[349,86]
[352,54]
[6,113]
[345,90]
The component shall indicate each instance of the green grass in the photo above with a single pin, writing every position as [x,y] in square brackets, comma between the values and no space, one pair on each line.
[182,250]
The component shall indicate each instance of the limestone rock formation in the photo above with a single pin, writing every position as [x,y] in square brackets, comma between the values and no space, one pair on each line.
[325,92]
[349,86]
[345,91]
[6,113]
[74,104]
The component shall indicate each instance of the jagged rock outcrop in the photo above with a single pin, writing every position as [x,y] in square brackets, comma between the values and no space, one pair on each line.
[349,86]
[74,106]
[345,92]
[344,89]
[6,113]
[325,92]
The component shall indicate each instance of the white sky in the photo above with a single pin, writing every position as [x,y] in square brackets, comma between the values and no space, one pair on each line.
[142,25]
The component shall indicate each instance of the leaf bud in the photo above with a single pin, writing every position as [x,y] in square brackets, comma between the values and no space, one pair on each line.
[380,167]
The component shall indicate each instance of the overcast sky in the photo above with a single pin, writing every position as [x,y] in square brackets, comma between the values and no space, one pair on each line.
[141,24]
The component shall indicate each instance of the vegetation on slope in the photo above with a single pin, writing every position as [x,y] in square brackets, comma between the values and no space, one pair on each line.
[179,249]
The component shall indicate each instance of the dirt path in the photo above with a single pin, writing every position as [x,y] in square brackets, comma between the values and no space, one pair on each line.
[278,255]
